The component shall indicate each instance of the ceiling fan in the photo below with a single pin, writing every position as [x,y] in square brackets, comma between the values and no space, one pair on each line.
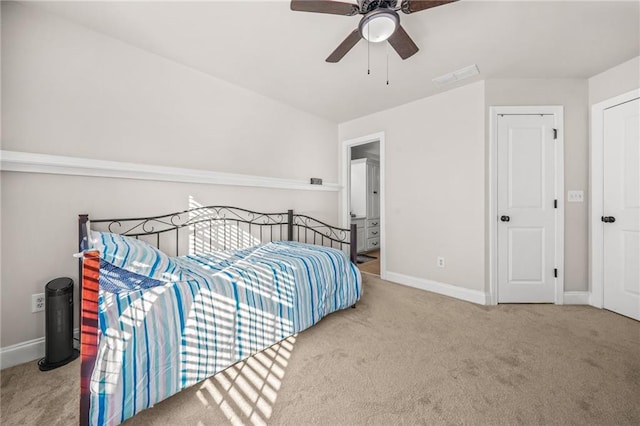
[380,22]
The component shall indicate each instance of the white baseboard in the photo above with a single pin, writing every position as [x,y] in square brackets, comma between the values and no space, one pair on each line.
[474,296]
[28,351]
[576,298]
[21,353]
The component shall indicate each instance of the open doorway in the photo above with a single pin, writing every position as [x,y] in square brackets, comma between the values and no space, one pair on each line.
[363,201]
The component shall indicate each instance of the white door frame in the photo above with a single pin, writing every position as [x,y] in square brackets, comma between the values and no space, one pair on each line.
[345,182]
[492,219]
[596,183]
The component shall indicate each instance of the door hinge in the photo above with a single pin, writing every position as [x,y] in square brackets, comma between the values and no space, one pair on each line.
[555,133]
[555,204]
[555,273]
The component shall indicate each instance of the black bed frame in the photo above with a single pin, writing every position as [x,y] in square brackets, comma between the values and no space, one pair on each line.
[265,227]
[166,231]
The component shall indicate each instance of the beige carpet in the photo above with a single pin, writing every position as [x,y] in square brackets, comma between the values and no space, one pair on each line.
[403,356]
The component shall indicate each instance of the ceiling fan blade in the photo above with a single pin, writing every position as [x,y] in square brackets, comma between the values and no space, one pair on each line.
[412,6]
[325,6]
[402,43]
[346,45]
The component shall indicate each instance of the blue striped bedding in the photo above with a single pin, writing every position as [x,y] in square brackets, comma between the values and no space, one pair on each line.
[159,337]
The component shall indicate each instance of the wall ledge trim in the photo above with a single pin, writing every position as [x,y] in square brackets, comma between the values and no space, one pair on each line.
[27,162]
[466,294]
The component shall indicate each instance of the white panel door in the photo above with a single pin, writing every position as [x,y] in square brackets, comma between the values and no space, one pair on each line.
[621,220]
[526,215]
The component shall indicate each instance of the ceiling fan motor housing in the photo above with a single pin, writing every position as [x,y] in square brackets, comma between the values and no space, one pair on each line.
[367,6]
[379,24]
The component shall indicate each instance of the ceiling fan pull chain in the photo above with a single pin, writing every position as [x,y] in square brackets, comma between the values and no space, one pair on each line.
[368,51]
[387,49]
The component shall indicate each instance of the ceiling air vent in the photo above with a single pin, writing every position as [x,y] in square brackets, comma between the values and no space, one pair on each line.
[458,75]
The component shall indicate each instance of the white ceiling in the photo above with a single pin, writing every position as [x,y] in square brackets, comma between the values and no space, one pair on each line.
[267,48]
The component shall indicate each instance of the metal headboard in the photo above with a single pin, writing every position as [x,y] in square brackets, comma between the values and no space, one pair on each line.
[221,228]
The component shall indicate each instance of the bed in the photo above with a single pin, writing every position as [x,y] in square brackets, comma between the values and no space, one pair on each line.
[168,301]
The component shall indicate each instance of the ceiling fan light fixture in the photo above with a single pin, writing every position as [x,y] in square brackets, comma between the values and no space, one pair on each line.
[379,25]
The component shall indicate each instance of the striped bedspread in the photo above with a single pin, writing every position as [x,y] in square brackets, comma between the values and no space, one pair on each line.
[157,338]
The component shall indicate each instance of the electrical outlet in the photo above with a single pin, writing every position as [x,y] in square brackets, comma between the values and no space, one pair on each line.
[441,262]
[37,302]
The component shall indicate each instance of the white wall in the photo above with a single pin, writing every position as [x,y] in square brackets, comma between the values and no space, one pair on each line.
[71,91]
[615,81]
[437,156]
[434,185]
[573,95]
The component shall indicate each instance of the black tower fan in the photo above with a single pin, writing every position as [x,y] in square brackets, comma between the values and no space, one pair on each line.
[59,324]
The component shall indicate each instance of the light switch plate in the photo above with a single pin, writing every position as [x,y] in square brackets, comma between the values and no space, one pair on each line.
[575,196]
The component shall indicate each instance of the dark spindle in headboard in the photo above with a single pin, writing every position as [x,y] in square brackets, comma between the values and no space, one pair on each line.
[353,243]
[290,225]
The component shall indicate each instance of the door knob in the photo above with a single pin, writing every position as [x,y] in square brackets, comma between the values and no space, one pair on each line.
[608,219]
[505,218]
